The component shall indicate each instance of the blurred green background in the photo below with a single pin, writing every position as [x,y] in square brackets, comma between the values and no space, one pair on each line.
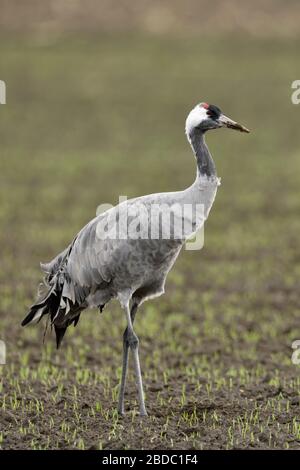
[97,96]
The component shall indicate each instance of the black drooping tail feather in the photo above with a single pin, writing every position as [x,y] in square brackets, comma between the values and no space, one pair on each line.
[50,304]
[59,300]
[60,333]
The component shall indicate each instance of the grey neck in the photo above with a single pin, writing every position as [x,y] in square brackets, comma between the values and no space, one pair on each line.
[205,163]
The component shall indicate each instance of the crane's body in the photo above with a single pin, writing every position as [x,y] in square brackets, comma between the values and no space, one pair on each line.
[98,266]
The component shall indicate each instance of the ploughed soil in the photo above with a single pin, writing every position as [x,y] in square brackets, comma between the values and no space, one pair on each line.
[200,393]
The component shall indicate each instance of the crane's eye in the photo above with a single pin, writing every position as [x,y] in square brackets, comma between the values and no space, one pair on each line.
[213,111]
[211,114]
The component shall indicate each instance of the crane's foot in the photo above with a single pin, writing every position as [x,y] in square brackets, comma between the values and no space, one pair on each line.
[120,408]
[121,412]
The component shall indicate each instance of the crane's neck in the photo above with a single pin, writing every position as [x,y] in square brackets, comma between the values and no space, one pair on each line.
[205,163]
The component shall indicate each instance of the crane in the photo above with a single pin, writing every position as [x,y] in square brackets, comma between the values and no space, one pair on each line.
[102,263]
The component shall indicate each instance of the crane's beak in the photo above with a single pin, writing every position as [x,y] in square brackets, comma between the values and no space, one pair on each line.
[227,122]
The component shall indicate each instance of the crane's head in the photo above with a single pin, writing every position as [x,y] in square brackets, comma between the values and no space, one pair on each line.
[206,116]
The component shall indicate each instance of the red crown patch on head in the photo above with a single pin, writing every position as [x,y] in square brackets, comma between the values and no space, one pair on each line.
[205,105]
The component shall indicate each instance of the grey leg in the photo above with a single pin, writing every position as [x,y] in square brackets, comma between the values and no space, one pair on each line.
[124,373]
[134,346]
[125,360]
[130,340]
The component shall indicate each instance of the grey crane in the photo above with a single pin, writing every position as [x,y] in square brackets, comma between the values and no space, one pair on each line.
[99,265]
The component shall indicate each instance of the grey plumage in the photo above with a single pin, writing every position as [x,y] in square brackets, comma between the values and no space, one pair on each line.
[92,270]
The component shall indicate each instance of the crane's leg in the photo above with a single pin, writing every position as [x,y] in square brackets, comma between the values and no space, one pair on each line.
[125,361]
[132,342]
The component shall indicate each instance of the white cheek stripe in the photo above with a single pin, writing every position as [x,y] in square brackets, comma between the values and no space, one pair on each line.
[196,116]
